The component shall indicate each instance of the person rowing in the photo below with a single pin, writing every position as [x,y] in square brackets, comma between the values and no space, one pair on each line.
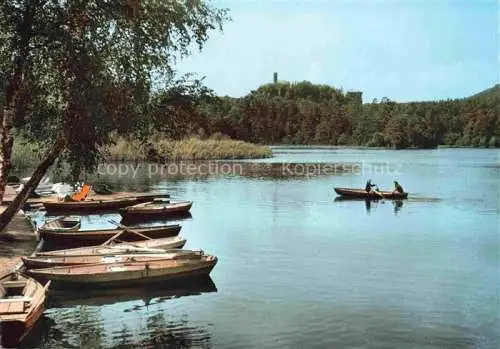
[398,188]
[369,189]
[369,186]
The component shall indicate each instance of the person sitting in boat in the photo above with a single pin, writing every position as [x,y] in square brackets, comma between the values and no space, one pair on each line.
[398,188]
[369,186]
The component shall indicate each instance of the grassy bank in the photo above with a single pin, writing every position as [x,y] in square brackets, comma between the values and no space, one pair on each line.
[186,149]
[26,155]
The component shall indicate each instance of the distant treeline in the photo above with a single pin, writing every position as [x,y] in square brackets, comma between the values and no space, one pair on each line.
[304,113]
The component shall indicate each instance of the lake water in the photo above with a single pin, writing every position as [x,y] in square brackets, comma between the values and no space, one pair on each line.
[299,269]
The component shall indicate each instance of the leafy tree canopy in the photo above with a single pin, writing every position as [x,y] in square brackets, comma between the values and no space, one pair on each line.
[90,64]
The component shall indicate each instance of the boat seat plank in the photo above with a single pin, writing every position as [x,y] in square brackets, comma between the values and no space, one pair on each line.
[57,224]
[12,308]
[15,300]
[14,284]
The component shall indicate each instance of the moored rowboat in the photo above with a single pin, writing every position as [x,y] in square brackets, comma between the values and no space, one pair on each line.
[61,224]
[98,205]
[123,273]
[143,246]
[22,301]
[363,194]
[95,237]
[156,210]
[55,261]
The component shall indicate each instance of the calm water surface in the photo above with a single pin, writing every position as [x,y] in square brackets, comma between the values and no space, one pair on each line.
[298,269]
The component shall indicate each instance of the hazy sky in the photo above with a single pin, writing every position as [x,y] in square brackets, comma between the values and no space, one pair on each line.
[402,49]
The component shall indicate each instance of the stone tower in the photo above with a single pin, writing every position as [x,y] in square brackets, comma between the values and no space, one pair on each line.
[356,96]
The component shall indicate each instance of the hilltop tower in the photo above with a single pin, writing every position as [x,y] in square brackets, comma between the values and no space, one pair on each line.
[356,96]
[275,77]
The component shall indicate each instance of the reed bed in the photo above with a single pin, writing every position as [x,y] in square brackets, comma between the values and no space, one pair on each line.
[186,149]
[27,155]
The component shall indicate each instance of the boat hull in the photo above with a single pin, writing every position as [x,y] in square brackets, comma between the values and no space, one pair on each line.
[363,194]
[96,237]
[131,214]
[14,331]
[98,205]
[57,225]
[121,274]
[22,304]
[38,262]
[164,243]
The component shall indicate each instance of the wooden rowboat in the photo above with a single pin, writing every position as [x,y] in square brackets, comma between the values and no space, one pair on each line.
[22,303]
[144,246]
[98,205]
[155,209]
[57,261]
[61,224]
[363,194]
[95,237]
[130,272]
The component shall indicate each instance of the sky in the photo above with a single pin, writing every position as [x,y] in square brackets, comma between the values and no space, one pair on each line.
[401,49]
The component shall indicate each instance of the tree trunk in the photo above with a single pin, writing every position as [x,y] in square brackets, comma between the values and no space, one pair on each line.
[37,175]
[6,143]
[13,88]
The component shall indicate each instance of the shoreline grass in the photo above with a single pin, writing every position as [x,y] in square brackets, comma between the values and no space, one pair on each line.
[186,149]
[25,155]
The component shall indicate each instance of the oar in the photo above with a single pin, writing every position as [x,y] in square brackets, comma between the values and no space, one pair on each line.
[125,228]
[379,193]
[47,285]
[113,237]
[134,245]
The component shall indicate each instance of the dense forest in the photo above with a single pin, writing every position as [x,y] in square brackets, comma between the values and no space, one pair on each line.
[305,113]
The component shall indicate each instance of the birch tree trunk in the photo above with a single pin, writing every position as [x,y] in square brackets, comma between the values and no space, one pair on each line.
[6,143]
[13,89]
[20,199]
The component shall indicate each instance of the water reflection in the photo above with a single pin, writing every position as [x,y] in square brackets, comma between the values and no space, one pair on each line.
[149,294]
[162,333]
[372,204]
[398,204]
[143,176]
[368,205]
[81,318]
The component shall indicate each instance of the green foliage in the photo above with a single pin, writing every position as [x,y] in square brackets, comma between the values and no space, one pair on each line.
[451,138]
[494,142]
[215,148]
[25,154]
[304,113]
[90,65]
[378,140]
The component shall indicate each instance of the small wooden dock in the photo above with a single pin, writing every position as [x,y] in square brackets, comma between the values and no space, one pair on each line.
[8,265]
[20,228]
